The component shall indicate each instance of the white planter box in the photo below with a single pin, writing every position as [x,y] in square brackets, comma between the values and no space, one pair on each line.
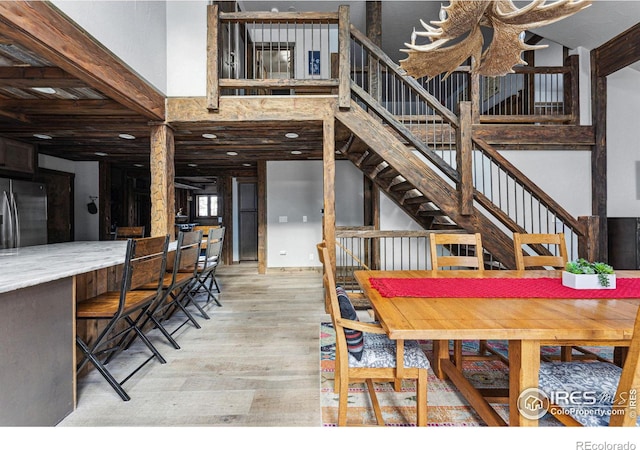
[583,281]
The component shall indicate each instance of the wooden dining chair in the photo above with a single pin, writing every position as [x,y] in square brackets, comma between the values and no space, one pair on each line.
[597,393]
[460,250]
[550,251]
[364,352]
[120,312]
[123,233]
[456,250]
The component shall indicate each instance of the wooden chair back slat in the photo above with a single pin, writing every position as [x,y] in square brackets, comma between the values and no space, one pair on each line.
[540,242]
[449,241]
[123,233]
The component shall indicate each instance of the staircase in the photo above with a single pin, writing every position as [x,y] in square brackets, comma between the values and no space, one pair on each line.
[409,145]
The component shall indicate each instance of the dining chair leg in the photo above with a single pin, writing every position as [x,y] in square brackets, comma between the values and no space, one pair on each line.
[374,402]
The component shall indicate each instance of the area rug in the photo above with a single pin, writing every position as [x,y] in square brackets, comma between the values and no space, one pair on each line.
[447,407]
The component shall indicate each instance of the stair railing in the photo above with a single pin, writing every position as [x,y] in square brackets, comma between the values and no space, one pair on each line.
[423,123]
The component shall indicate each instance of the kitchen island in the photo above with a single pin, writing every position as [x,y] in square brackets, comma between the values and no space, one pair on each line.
[38,292]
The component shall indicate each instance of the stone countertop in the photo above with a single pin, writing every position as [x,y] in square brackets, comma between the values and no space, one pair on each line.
[29,266]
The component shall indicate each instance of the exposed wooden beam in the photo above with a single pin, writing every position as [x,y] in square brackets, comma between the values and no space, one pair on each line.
[66,107]
[534,134]
[618,53]
[42,28]
[29,77]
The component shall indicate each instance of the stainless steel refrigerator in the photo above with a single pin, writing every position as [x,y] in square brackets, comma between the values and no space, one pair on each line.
[23,213]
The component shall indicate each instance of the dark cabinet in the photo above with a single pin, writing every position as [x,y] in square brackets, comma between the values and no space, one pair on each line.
[624,242]
[16,156]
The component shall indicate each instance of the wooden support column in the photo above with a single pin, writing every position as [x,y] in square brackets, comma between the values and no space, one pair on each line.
[589,244]
[162,181]
[213,94]
[371,190]
[599,153]
[572,89]
[464,161]
[374,33]
[262,217]
[227,219]
[329,180]
[344,43]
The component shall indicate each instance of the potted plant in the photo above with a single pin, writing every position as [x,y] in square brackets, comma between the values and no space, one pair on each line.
[582,274]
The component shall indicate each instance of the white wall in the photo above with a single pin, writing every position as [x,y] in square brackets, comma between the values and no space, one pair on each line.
[294,190]
[86,226]
[186,48]
[134,30]
[623,148]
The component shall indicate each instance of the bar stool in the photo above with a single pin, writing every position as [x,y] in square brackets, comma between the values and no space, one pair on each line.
[180,274]
[144,265]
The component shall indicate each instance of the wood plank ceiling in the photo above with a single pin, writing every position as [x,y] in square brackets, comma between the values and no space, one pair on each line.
[71,116]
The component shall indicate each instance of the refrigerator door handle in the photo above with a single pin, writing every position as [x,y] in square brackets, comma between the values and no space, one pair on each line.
[8,228]
[16,221]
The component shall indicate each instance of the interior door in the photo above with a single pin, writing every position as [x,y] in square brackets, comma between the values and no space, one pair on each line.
[248,220]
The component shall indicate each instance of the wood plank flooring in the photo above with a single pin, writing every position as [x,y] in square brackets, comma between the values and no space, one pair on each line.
[254,363]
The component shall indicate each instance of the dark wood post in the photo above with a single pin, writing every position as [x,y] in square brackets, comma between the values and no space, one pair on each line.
[464,161]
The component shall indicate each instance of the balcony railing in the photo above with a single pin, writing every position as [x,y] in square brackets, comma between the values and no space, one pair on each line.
[291,53]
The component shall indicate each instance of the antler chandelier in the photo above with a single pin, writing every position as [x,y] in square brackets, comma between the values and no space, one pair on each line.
[466,17]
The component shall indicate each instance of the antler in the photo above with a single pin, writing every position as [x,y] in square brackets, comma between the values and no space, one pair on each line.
[466,16]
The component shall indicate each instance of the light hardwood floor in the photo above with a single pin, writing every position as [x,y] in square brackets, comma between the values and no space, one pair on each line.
[254,363]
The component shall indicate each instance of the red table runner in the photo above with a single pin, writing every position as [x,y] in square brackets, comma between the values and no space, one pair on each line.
[498,288]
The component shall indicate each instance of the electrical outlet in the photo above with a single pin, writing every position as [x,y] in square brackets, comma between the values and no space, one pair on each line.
[283,252]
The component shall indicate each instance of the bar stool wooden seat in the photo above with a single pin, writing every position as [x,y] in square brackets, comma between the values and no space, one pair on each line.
[124,309]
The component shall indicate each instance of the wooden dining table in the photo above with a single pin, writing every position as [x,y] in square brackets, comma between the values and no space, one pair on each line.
[527,321]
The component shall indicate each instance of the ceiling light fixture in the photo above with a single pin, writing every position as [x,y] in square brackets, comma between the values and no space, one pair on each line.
[296,152]
[246,164]
[42,136]
[232,153]
[209,136]
[138,165]
[126,136]
[100,154]
[44,90]
[192,165]
[291,135]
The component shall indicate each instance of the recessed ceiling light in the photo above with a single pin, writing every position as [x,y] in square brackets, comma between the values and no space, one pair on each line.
[42,136]
[232,153]
[209,136]
[291,135]
[296,152]
[126,136]
[138,165]
[192,165]
[246,165]
[100,154]
[44,90]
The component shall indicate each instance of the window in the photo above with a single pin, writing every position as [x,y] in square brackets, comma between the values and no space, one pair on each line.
[207,205]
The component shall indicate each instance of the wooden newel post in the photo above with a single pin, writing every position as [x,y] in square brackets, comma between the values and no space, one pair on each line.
[213,94]
[464,161]
[589,243]
[344,43]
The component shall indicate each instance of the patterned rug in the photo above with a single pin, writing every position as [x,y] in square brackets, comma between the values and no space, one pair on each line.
[447,407]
